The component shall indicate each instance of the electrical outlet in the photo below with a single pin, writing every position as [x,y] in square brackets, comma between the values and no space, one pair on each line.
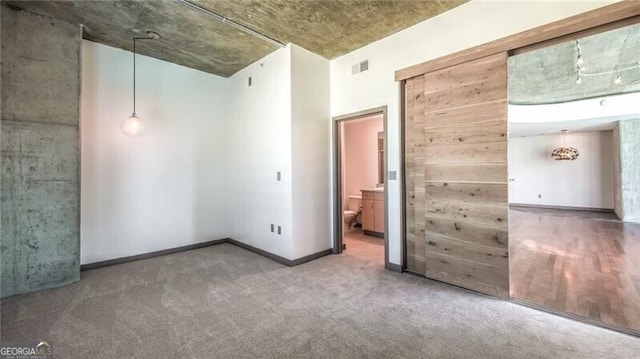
[272,227]
[539,196]
[279,230]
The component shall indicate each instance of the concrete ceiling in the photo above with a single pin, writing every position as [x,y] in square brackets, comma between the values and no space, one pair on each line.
[544,97]
[191,38]
[548,75]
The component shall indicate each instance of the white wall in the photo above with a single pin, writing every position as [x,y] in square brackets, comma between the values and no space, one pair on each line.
[260,146]
[281,123]
[585,182]
[164,189]
[311,154]
[361,154]
[468,25]
[206,167]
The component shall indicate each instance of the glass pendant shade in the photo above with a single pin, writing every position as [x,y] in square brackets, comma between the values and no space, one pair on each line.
[132,126]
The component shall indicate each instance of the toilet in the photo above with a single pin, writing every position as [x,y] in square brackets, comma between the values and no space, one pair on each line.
[351,212]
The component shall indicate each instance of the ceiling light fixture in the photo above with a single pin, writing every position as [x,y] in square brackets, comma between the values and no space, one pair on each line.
[581,68]
[579,60]
[565,153]
[617,80]
[133,126]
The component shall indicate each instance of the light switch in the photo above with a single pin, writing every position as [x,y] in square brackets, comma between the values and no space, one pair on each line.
[393,175]
[279,176]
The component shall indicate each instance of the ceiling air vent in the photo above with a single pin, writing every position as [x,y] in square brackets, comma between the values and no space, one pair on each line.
[359,67]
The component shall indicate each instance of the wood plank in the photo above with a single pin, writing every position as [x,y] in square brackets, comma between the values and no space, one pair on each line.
[409,121]
[463,126]
[598,17]
[479,172]
[578,35]
[490,131]
[468,153]
[478,193]
[410,248]
[480,73]
[419,163]
[453,87]
[486,213]
[466,115]
[492,280]
[414,111]
[478,233]
[472,252]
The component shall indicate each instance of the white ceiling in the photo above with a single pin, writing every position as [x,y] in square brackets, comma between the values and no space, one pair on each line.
[595,114]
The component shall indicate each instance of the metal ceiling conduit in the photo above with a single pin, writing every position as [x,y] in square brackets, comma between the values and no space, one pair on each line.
[226,20]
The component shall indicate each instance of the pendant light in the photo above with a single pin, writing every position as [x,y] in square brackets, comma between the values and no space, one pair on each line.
[133,126]
[565,153]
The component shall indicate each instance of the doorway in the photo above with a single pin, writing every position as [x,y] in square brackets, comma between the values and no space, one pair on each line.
[573,126]
[360,194]
[457,219]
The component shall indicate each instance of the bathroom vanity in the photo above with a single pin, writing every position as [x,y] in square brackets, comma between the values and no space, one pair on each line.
[373,212]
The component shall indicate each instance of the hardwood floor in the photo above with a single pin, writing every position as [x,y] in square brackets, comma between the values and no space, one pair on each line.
[583,263]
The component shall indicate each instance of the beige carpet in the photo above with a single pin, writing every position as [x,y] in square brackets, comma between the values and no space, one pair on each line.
[226,302]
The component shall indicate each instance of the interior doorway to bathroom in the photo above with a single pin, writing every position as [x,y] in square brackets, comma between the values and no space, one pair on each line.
[360,192]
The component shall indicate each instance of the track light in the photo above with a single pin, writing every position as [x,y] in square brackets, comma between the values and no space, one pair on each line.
[581,69]
[580,63]
[579,59]
[618,79]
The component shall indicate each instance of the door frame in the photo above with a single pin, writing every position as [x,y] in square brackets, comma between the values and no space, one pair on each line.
[337,177]
[609,17]
[601,19]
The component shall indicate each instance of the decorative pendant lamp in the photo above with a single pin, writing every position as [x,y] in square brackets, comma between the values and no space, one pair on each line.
[565,153]
[133,126]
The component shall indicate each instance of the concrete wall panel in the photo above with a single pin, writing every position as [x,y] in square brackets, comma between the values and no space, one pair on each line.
[40,152]
[629,132]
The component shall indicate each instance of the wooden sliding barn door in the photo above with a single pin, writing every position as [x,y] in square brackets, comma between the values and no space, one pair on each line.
[456,175]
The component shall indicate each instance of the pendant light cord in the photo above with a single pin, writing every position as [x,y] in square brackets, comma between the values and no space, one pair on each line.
[134,75]
[150,36]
